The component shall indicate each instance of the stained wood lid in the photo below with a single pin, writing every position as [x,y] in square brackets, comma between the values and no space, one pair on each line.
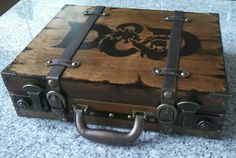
[124,47]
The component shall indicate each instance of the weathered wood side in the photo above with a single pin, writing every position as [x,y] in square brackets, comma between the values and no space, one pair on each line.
[135,30]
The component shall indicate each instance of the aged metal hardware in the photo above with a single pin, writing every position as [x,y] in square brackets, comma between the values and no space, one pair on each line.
[63,62]
[82,107]
[57,70]
[57,102]
[22,101]
[188,109]
[107,136]
[204,125]
[23,105]
[91,12]
[174,72]
[172,18]
[52,83]
[35,94]
[144,113]
[166,112]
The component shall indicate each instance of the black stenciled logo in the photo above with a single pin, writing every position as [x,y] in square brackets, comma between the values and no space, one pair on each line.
[154,47]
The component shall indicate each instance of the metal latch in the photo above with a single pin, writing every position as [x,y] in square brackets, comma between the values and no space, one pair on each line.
[173,72]
[57,102]
[188,109]
[34,92]
[91,12]
[167,115]
[63,62]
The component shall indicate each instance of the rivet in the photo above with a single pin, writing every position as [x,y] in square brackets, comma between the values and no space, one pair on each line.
[105,14]
[184,74]
[52,83]
[129,117]
[49,61]
[167,94]
[75,64]
[111,115]
[166,18]
[157,71]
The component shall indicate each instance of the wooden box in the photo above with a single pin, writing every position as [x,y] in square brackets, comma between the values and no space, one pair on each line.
[141,69]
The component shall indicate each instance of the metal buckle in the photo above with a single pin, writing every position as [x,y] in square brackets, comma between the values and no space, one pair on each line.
[177,18]
[167,115]
[57,102]
[173,72]
[63,62]
[167,110]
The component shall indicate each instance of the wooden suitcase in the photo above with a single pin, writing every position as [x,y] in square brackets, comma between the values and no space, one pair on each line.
[141,69]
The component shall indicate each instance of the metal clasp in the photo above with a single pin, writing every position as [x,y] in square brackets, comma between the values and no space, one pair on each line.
[57,103]
[34,93]
[167,115]
[188,109]
[90,12]
[177,18]
[174,72]
[63,62]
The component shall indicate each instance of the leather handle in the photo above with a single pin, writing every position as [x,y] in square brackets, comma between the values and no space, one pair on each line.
[108,136]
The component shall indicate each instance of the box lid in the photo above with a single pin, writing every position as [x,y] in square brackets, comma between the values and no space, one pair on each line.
[124,48]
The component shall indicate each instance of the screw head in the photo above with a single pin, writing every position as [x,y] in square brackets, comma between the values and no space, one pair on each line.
[52,83]
[167,94]
[111,115]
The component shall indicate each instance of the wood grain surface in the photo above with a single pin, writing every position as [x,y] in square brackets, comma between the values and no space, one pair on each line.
[124,47]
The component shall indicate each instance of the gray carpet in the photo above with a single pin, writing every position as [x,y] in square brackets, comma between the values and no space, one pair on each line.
[24,137]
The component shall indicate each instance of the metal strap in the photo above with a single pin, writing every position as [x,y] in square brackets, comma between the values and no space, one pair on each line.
[167,111]
[57,70]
